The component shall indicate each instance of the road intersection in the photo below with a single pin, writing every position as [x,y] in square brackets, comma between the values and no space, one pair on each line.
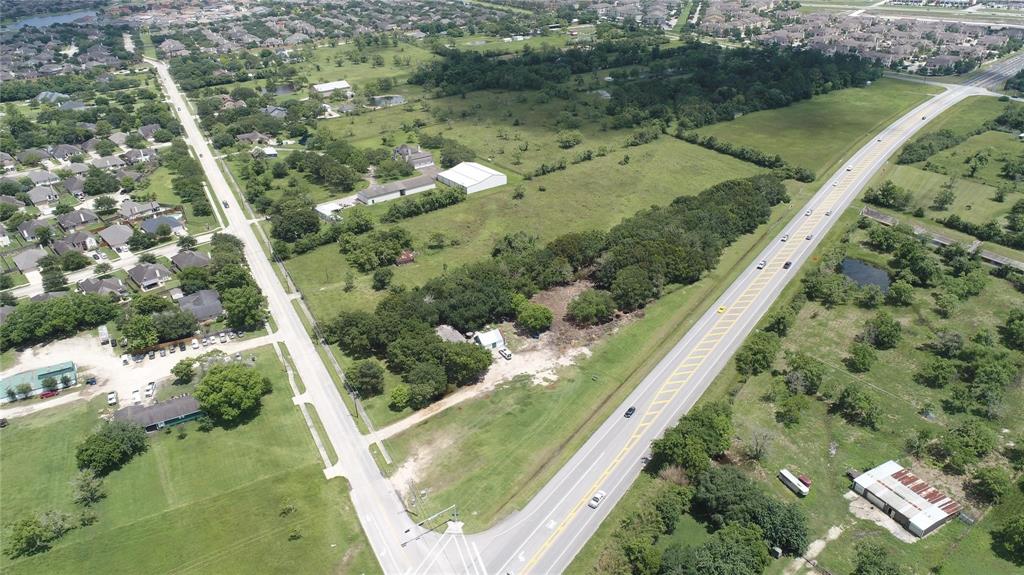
[550,530]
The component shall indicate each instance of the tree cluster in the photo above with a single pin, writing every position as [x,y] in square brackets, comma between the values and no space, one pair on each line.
[38,322]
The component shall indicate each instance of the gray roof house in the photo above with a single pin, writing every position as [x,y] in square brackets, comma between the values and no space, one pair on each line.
[77,168]
[414,156]
[137,156]
[151,225]
[28,229]
[27,260]
[276,112]
[190,259]
[12,201]
[161,414]
[116,235]
[64,151]
[43,177]
[149,276]
[118,138]
[131,209]
[148,130]
[75,185]
[204,304]
[253,138]
[82,240]
[30,155]
[109,163]
[103,286]
[43,195]
[76,219]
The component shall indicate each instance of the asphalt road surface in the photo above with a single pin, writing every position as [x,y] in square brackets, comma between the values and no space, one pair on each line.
[547,534]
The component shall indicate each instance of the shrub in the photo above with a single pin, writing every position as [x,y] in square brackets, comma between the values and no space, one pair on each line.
[111,447]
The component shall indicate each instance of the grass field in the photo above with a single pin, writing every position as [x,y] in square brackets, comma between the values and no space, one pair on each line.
[207,503]
[817,134]
[160,186]
[598,194]
[324,65]
[548,424]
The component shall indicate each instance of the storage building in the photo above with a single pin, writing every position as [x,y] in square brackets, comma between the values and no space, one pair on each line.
[472,177]
[901,495]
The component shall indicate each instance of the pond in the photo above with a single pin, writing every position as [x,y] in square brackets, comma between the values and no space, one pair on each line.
[44,20]
[863,273]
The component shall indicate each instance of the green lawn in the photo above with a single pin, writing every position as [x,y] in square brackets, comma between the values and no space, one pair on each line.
[324,65]
[817,134]
[210,502]
[160,185]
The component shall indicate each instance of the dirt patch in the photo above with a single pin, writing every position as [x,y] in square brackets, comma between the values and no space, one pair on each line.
[863,509]
[408,473]
[813,550]
[563,332]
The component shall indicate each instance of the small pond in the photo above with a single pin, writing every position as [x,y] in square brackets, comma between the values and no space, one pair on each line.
[44,20]
[863,273]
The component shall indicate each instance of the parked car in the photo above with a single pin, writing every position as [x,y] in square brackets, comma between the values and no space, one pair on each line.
[96,257]
[172,348]
[139,357]
[48,394]
[195,343]
[3,422]
[238,356]
[150,388]
[152,354]
[223,337]
[136,398]
[124,359]
[505,353]
[163,352]
[112,398]
[90,381]
[630,412]
[181,346]
[231,335]
[597,499]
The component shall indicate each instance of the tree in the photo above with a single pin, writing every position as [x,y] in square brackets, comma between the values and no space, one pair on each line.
[591,307]
[184,371]
[44,235]
[231,393]
[382,278]
[367,377]
[1010,538]
[947,195]
[453,153]
[398,398]
[111,447]
[856,406]
[53,280]
[27,536]
[293,217]
[633,288]
[140,333]
[991,484]
[1013,329]
[193,279]
[791,409]
[883,331]
[732,550]
[187,242]
[805,373]
[873,559]
[901,293]
[534,317]
[758,353]
[88,488]
[427,382]
[174,324]
[937,373]
[862,357]
[245,307]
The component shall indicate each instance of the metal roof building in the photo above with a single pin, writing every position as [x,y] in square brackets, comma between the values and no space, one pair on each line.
[472,177]
[901,495]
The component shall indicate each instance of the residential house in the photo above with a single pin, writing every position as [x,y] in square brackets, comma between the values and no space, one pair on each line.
[383,192]
[162,414]
[489,339]
[109,163]
[276,112]
[253,138]
[82,241]
[190,259]
[119,138]
[64,151]
[71,106]
[203,304]
[328,88]
[149,276]
[12,201]
[43,178]
[7,162]
[103,286]
[5,239]
[153,225]
[42,196]
[130,209]
[28,260]
[414,156]
[149,130]
[116,236]
[51,97]
[75,185]
[138,156]
[32,156]
[76,219]
[77,168]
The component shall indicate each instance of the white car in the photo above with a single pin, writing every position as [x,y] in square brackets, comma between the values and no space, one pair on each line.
[785,237]
[223,337]
[597,499]
[807,213]
[761,264]
[136,396]
[150,388]
[112,398]
[195,343]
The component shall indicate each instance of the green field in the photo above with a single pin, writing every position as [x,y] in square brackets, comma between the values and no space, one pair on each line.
[160,187]
[817,134]
[324,65]
[209,502]
[598,194]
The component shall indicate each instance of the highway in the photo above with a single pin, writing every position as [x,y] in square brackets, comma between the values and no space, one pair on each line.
[547,534]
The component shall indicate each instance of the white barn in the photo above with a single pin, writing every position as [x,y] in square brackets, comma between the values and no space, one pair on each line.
[383,192]
[472,177]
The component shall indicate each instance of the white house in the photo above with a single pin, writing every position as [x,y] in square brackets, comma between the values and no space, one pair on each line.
[472,177]
[331,87]
[489,339]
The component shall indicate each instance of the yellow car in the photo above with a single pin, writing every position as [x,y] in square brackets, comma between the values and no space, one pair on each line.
[721,309]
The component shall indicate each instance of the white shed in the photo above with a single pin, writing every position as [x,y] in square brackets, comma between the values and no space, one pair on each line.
[472,177]
[489,339]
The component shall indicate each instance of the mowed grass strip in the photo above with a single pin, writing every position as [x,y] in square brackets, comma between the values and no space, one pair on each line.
[208,503]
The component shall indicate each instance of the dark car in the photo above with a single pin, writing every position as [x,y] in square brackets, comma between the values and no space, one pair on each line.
[152,354]
[181,346]
[90,381]
[630,412]
[787,265]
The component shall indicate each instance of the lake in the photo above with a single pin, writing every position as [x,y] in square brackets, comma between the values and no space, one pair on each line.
[44,20]
[863,273]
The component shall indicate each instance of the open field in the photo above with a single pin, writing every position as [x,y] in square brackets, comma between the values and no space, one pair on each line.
[324,65]
[1000,147]
[817,134]
[160,187]
[598,194]
[209,502]
[550,422]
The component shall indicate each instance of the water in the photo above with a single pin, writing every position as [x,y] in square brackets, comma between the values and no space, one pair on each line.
[863,274]
[44,20]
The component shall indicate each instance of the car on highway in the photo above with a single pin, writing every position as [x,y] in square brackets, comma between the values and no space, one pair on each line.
[721,309]
[808,212]
[761,264]
[787,265]
[849,168]
[809,237]
[828,213]
[629,412]
[195,343]
[785,237]
[597,499]
[112,398]
[225,202]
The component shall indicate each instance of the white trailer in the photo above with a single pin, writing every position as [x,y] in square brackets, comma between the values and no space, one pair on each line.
[794,484]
